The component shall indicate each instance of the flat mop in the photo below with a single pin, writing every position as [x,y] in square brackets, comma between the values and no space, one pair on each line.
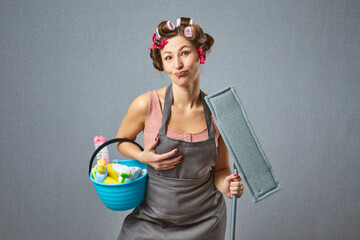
[240,139]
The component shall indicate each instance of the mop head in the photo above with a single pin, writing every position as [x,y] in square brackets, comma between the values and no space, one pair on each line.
[239,137]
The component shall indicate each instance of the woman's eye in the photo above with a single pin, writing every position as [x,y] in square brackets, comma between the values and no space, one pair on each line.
[185,53]
[167,58]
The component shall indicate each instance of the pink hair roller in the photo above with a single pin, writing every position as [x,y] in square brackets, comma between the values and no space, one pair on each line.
[157,32]
[188,32]
[202,40]
[170,25]
[191,22]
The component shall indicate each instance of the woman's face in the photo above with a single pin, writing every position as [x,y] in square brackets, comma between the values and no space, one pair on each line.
[181,61]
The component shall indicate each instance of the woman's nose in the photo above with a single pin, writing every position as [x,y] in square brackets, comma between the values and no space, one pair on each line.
[178,63]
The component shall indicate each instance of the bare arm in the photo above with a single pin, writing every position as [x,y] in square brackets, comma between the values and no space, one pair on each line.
[132,124]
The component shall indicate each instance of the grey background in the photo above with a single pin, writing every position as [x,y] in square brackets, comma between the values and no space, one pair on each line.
[70,69]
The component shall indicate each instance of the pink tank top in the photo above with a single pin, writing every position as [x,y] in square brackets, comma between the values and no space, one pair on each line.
[153,124]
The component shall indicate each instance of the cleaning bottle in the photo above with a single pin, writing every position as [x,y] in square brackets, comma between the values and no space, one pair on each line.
[98,141]
[104,151]
[102,171]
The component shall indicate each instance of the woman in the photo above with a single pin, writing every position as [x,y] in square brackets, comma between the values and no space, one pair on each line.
[188,163]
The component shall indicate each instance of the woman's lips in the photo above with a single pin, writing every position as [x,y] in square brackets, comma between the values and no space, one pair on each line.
[181,74]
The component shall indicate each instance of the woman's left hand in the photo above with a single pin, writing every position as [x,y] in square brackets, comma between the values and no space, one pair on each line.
[234,185]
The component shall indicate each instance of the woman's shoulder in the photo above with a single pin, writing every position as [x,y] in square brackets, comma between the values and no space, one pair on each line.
[142,102]
[140,105]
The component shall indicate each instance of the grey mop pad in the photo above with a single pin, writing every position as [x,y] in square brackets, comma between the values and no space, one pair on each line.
[239,137]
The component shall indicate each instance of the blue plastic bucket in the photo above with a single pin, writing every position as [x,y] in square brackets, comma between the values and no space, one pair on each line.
[122,196]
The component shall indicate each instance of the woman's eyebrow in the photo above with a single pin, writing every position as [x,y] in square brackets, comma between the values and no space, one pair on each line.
[179,49]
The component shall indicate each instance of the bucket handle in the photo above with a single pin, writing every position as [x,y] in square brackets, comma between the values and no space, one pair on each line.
[115,140]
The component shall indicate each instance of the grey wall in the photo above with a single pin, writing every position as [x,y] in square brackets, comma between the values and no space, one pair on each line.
[70,69]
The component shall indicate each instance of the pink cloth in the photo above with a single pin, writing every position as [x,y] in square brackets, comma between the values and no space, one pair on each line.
[153,124]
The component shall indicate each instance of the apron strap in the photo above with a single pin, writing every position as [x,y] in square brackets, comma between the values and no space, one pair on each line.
[207,112]
[167,112]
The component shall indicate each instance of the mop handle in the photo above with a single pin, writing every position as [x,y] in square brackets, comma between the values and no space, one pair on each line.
[233,212]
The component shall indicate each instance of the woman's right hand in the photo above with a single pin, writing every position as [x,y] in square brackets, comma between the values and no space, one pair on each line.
[163,161]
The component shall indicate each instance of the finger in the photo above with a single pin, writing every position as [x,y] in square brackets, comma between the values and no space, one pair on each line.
[238,184]
[234,177]
[169,163]
[172,162]
[236,192]
[230,178]
[242,183]
[235,183]
[152,145]
[237,177]
[169,167]
[168,154]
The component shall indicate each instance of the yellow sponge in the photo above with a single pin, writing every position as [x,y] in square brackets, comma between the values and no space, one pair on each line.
[110,180]
[111,172]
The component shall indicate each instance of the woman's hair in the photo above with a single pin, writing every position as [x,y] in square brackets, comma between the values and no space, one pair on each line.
[205,42]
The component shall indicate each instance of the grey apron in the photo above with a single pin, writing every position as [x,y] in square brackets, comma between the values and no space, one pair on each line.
[183,202]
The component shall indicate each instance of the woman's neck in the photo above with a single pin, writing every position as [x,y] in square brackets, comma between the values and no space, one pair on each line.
[186,97]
